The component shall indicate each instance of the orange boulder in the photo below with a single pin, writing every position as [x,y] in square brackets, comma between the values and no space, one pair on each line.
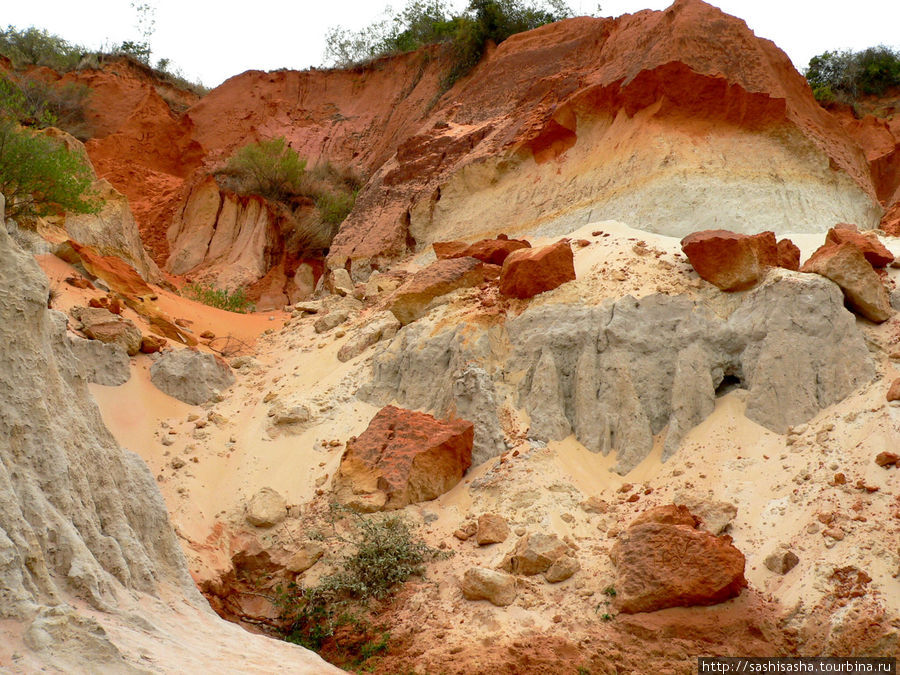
[403,457]
[868,244]
[410,301]
[529,271]
[728,260]
[846,266]
[665,562]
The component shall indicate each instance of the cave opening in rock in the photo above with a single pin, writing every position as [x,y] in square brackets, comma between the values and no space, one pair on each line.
[728,384]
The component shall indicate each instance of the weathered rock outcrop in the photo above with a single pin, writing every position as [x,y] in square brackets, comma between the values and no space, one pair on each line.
[191,376]
[403,457]
[82,520]
[624,110]
[687,104]
[619,374]
[664,562]
[223,236]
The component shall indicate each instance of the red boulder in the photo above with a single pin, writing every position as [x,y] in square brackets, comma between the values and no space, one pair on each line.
[728,260]
[662,560]
[449,249]
[403,457]
[868,244]
[529,271]
[788,255]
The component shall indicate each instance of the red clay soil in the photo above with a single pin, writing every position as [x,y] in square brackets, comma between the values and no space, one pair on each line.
[667,641]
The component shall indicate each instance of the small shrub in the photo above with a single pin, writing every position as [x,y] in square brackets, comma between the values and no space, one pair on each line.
[39,176]
[385,553]
[234,301]
[271,169]
[32,102]
[334,208]
[609,591]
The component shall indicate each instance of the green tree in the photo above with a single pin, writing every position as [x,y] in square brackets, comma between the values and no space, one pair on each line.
[39,176]
[846,75]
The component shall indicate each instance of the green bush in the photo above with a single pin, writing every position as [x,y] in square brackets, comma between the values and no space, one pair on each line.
[39,176]
[271,169]
[38,47]
[385,553]
[33,46]
[40,104]
[234,301]
[427,22]
[334,208]
[846,76]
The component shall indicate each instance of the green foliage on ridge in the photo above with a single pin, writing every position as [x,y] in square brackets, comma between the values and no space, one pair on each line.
[845,76]
[429,22]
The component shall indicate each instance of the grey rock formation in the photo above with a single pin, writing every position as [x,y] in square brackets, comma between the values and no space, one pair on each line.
[623,373]
[191,376]
[101,363]
[803,351]
[78,515]
[544,402]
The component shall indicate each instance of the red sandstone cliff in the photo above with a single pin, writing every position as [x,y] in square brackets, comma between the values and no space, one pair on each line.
[670,120]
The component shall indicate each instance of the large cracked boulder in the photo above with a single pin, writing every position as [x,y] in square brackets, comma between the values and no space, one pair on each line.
[868,243]
[403,457]
[191,376]
[846,265]
[662,560]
